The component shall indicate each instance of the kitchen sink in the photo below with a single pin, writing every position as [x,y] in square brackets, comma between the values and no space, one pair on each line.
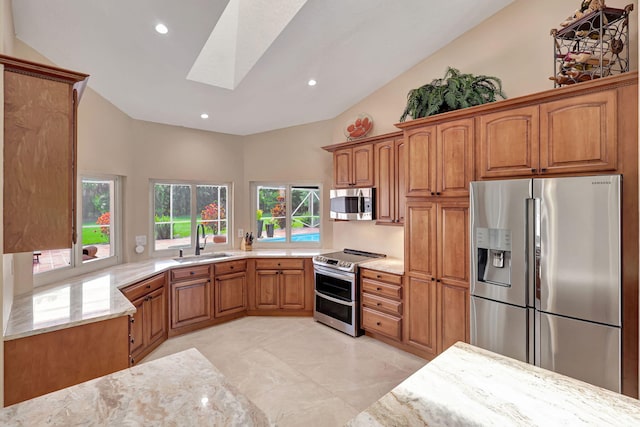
[193,258]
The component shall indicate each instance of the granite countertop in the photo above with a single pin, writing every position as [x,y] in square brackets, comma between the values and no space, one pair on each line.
[195,394]
[96,296]
[466,385]
[388,265]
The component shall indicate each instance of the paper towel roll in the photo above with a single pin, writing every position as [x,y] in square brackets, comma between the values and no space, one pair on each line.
[139,249]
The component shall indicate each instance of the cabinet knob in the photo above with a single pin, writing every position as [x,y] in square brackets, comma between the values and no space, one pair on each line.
[438,280]
[533,170]
[378,289]
[148,286]
[438,193]
[231,267]
[192,272]
[133,361]
[132,340]
[433,278]
[432,193]
[378,323]
[378,304]
[132,319]
[543,170]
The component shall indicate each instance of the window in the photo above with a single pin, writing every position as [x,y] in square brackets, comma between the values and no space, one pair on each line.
[179,207]
[97,233]
[276,223]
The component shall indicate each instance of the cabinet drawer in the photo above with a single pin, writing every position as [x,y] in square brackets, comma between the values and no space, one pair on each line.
[383,304]
[383,289]
[230,267]
[384,277]
[275,264]
[375,321]
[137,290]
[189,272]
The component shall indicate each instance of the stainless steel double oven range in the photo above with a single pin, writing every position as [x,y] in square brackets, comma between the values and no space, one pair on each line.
[337,289]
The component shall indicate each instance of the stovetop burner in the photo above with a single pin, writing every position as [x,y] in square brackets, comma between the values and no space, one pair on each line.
[345,260]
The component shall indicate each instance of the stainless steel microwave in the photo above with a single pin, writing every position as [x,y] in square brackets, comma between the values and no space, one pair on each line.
[352,204]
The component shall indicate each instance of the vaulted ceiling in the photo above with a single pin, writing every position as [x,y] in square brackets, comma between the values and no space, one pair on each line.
[245,63]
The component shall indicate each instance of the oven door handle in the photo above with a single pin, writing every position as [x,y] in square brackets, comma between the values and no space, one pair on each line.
[336,300]
[347,276]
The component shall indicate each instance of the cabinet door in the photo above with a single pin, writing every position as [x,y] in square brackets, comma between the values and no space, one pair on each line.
[401,185]
[420,331]
[156,316]
[267,289]
[190,302]
[453,242]
[342,168]
[579,134]
[420,239]
[231,291]
[509,142]
[421,162]
[292,289]
[385,170]
[363,165]
[39,171]
[138,329]
[454,315]
[454,158]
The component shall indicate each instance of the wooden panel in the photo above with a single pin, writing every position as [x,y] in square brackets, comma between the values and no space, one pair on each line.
[421,315]
[579,134]
[401,184]
[144,287]
[453,242]
[420,239]
[230,267]
[363,165]
[187,273]
[342,168]
[455,158]
[509,143]
[190,302]
[381,276]
[454,315]
[382,304]
[280,263]
[231,294]
[138,328]
[47,362]
[421,162]
[381,288]
[267,289]
[38,168]
[292,289]
[156,314]
[385,182]
[382,323]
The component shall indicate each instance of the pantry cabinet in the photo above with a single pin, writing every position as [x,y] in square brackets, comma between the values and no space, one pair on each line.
[572,135]
[439,159]
[230,288]
[390,181]
[149,322]
[353,166]
[191,298]
[40,155]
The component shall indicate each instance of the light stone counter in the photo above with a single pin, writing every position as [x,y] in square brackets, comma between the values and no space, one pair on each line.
[96,296]
[183,389]
[387,265]
[466,385]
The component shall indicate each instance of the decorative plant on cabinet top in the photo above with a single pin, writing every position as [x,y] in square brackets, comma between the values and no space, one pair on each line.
[453,92]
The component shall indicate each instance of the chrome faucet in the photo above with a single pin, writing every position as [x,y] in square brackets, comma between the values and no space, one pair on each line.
[198,248]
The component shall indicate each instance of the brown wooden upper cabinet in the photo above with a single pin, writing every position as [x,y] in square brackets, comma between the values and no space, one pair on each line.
[571,135]
[390,182]
[439,159]
[40,108]
[353,166]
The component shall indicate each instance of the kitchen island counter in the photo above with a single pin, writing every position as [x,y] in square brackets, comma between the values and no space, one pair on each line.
[466,385]
[181,389]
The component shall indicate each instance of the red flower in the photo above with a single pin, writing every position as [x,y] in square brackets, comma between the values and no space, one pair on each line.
[104,219]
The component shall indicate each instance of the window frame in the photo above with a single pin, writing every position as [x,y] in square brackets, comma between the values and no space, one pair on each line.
[253,191]
[76,265]
[209,247]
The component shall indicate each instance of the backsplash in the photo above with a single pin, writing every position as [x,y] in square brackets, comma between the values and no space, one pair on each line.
[367,236]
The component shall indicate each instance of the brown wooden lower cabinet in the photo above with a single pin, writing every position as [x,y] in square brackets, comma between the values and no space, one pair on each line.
[230,294]
[191,298]
[281,284]
[43,363]
[420,318]
[453,305]
[382,303]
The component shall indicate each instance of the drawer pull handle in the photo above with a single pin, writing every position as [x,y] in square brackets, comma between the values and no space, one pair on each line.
[377,323]
[378,289]
[378,276]
[148,286]
[231,267]
[192,272]
[378,304]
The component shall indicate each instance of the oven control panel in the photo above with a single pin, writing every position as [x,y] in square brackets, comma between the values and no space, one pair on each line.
[331,262]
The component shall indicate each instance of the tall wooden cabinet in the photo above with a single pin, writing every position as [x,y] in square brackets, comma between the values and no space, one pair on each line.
[390,181]
[39,196]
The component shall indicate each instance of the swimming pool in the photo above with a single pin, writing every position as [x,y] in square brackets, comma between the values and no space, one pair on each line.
[311,237]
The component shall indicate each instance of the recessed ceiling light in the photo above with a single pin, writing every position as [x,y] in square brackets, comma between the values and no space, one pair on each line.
[312,82]
[162,29]
[204,116]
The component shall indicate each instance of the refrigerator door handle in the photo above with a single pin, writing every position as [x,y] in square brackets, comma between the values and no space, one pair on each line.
[530,247]
[537,251]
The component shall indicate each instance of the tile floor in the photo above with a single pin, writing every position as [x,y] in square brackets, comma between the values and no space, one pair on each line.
[299,372]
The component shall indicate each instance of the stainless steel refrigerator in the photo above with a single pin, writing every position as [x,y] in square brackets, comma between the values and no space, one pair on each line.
[546,274]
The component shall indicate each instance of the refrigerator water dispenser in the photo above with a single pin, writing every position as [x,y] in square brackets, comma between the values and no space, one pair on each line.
[494,256]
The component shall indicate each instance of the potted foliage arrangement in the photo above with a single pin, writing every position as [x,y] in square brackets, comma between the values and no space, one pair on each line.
[453,92]
[270,226]
[260,222]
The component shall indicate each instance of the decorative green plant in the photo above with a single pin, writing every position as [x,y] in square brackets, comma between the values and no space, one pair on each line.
[259,214]
[453,92]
